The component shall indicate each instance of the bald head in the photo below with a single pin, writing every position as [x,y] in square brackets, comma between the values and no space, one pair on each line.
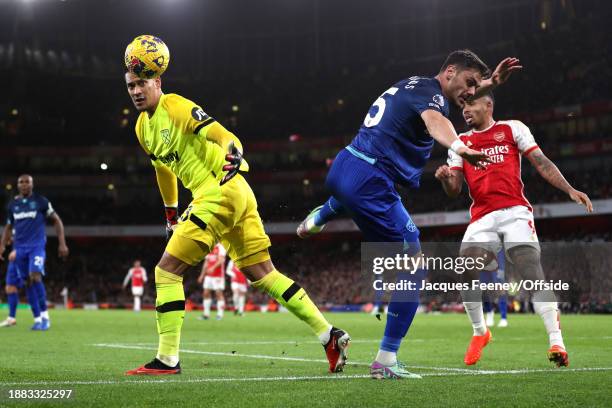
[25,185]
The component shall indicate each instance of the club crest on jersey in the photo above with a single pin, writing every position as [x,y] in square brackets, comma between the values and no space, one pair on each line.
[438,99]
[499,136]
[165,135]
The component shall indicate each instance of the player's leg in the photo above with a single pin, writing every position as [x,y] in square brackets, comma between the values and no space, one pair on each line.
[220,299]
[207,298]
[241,301]
[316,220]
[137,293]
[371,199]
[36,267]
[487,303]
[523,249]
[13,282]
[235,295]
[248,246]
[480,241]
[502,304]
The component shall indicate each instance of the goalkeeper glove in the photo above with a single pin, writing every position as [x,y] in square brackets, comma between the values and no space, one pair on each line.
[234,159]
[171,221]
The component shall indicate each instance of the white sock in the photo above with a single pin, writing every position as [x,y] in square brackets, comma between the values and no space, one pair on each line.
[241,300]
[207,303]
[235,297]
[38,319]
[386,358]
[170,361]
[45,314]
[137,303]
[476,315]
[324,337]
[220,307]
[549,312]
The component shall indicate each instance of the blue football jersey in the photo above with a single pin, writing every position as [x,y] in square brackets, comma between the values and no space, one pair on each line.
[393,135]
[28,216]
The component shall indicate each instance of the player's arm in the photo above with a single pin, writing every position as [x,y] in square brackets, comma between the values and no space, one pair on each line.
[168,188]
[442,130]
[62,248]
[202,274]
[451,179]
[551,173]
[144,275]
[7,234]
[216,133]
[127,278]
[501,74]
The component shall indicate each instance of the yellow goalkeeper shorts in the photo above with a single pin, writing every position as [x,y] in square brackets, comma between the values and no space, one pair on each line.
[228,214]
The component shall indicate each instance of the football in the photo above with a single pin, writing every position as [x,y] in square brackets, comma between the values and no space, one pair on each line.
[147,56]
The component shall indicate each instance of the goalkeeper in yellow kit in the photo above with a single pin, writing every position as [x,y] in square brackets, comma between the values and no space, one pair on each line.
[184,142]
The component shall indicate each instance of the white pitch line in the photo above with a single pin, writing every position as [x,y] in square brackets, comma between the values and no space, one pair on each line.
[255,343]
[268,357]
[294,378]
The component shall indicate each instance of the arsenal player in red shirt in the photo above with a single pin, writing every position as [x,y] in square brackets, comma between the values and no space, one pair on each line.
[500,214]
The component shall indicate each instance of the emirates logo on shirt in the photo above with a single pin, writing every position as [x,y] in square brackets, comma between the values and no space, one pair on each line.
[499,136]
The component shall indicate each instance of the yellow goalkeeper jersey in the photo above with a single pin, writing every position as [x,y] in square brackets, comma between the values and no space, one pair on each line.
[178,136]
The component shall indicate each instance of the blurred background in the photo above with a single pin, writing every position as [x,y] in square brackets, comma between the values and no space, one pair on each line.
[293,80]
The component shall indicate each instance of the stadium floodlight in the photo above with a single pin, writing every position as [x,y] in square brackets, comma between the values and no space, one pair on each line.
[104,166]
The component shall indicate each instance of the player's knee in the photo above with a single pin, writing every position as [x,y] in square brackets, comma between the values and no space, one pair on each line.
[479,256]
[257,271]
[11,289]
[35,277]
[173,265]
[527,260]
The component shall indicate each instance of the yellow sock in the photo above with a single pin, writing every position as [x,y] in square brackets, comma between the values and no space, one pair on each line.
[294,298]
[170,312]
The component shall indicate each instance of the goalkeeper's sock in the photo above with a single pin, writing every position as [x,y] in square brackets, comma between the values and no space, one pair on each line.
[330,210]
[296,300]
[13,301]
[170,312]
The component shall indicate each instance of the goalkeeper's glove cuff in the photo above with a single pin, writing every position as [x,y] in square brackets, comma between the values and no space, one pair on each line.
[171,220]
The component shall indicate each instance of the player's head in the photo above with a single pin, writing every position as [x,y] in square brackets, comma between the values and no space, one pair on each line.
[478,113]
[461,75]
[145,93]
[137,263]
[25,184]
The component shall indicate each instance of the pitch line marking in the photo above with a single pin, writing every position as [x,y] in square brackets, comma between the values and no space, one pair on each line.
[445,370]
[267,357]
[292,378]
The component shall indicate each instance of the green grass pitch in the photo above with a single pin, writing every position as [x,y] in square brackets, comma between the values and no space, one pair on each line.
[264,360]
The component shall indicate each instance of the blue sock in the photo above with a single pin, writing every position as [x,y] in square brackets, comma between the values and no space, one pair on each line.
[13,301]
[42,295]
[330,210]
[487,306]
[33,300]
[402,308]
[503,306]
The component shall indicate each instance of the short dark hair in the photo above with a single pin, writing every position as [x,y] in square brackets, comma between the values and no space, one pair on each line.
[466,59]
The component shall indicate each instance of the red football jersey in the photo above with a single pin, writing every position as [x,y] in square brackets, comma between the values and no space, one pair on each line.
[212,258]
[238,276]
[138,276]
[499,185]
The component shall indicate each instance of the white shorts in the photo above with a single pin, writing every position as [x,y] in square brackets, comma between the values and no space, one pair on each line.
[137,290]
[212,283]
[239,286]
[512,226]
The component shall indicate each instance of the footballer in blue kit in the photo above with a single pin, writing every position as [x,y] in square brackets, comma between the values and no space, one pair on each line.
[27,215]
[392,147]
